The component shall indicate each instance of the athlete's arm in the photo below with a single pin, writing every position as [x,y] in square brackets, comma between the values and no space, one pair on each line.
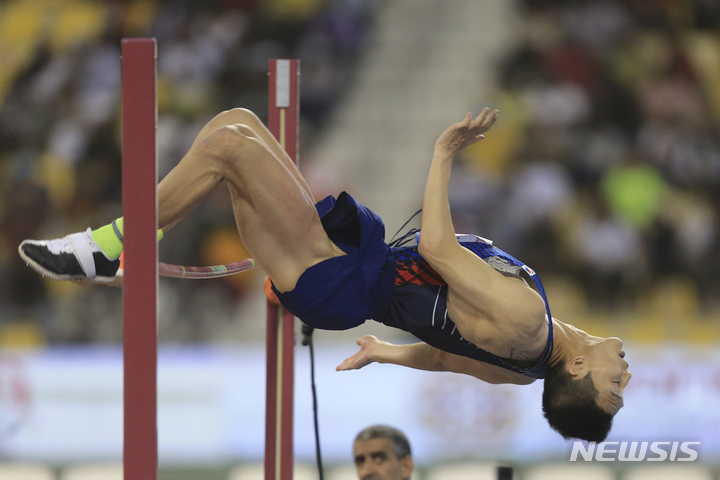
[422,356]
[437,228]
[474,281]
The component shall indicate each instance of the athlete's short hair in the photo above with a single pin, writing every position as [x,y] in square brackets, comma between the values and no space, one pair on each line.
[398,441]
[570,406]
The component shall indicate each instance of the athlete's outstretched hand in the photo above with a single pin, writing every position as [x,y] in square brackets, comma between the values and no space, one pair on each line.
[365,356]
[460,135]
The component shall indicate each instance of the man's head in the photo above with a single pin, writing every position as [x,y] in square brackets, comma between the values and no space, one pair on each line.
[582,394]
[382,453]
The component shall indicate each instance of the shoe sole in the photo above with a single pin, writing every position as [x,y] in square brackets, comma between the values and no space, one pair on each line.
[98,280]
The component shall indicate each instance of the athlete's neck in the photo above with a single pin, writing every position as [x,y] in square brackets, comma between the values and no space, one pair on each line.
[570,342]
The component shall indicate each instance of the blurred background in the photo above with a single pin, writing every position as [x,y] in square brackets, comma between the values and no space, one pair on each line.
[602,173]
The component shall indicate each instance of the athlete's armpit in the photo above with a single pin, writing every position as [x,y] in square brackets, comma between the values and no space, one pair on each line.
[517,354]
[481,370]
[501,299]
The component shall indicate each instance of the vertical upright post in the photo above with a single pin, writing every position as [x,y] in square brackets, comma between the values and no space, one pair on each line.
[139,155]
[283,111]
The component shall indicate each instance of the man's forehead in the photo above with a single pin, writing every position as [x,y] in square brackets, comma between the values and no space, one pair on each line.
[372,445]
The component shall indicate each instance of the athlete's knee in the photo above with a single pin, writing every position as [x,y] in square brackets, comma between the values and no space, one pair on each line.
[230,142]
[236,116]
[245,130]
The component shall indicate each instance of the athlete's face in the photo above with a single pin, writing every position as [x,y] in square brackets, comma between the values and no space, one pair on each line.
[375,460]
[609,373]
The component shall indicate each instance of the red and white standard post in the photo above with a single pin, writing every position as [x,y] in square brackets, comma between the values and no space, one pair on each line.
[140,284]
[283,111]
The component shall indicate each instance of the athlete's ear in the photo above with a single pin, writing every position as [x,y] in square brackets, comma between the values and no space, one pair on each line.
[407,466]
[576,367]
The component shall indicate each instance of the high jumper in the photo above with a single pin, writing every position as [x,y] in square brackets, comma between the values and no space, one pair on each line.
[330,266]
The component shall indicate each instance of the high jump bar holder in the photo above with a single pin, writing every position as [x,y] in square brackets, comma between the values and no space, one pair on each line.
[283,115]
[140,289]
[139,188]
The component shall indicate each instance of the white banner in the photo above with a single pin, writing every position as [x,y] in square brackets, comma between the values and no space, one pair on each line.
[65,405]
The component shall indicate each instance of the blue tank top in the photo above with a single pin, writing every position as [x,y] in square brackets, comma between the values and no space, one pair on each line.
[419,304]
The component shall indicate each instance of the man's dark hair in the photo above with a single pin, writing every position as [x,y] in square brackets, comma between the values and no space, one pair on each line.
[398,441]
[570,406]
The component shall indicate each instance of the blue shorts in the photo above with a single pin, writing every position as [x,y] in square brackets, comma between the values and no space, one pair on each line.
[342,292]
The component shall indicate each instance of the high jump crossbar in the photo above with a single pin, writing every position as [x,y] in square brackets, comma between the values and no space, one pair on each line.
[139,173]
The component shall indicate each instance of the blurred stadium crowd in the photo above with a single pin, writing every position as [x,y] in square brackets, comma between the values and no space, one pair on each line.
[59,135]
[602,174]
[604,169]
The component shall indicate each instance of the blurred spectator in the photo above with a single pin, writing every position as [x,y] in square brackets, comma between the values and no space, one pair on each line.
[59,130]
[24,209]
[634,191]
[611,256]
[611,159]
[381,452]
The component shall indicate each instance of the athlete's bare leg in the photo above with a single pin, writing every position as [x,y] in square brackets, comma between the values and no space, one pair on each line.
[273,206]
[246,117]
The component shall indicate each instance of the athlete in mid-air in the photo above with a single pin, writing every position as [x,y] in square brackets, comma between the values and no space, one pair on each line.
[330,265]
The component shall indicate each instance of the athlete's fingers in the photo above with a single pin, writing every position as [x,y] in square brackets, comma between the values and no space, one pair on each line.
[484,120]
[489,119]
[354,362]
[346,364]
[481,118]
[350,362]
